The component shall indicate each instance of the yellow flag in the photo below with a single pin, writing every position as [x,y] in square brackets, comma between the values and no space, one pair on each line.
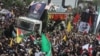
[69,27]
[11,43]
[64,38]
[19,39]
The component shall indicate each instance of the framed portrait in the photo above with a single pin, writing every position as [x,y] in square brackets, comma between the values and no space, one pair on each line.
[36,10]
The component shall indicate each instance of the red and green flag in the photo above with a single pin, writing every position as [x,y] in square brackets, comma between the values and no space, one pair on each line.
[19,35]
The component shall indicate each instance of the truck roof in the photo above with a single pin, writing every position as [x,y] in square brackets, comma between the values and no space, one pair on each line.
[30,19]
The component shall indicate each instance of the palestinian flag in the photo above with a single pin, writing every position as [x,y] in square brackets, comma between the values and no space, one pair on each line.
[19,35]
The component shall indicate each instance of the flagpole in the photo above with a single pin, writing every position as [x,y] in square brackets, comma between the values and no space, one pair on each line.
[97,17]
[97,23]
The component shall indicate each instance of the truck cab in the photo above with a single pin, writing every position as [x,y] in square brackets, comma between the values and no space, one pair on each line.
[27,24]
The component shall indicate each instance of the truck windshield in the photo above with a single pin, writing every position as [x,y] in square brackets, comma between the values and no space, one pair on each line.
[25,25]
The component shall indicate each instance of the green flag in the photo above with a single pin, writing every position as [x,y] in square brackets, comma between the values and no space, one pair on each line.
[45,45]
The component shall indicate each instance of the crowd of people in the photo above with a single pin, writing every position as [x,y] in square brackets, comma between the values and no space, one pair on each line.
[72,44]
[63,43]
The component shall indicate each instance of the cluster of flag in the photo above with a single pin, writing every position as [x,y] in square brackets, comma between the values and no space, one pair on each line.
[75,21]
[88,24]
[45,43]
[19,37]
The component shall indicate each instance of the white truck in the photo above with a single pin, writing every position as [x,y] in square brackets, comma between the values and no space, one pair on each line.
[28,24]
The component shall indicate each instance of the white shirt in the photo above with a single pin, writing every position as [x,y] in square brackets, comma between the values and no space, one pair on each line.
[38,53]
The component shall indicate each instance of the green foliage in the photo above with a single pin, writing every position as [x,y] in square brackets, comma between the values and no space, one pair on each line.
[18,3]
[7,3]
[28,2]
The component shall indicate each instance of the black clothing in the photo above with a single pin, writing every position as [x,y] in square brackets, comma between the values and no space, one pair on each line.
[86,16]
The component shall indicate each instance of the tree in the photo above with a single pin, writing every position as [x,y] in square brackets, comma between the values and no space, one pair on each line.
[7,3]
[28,2]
